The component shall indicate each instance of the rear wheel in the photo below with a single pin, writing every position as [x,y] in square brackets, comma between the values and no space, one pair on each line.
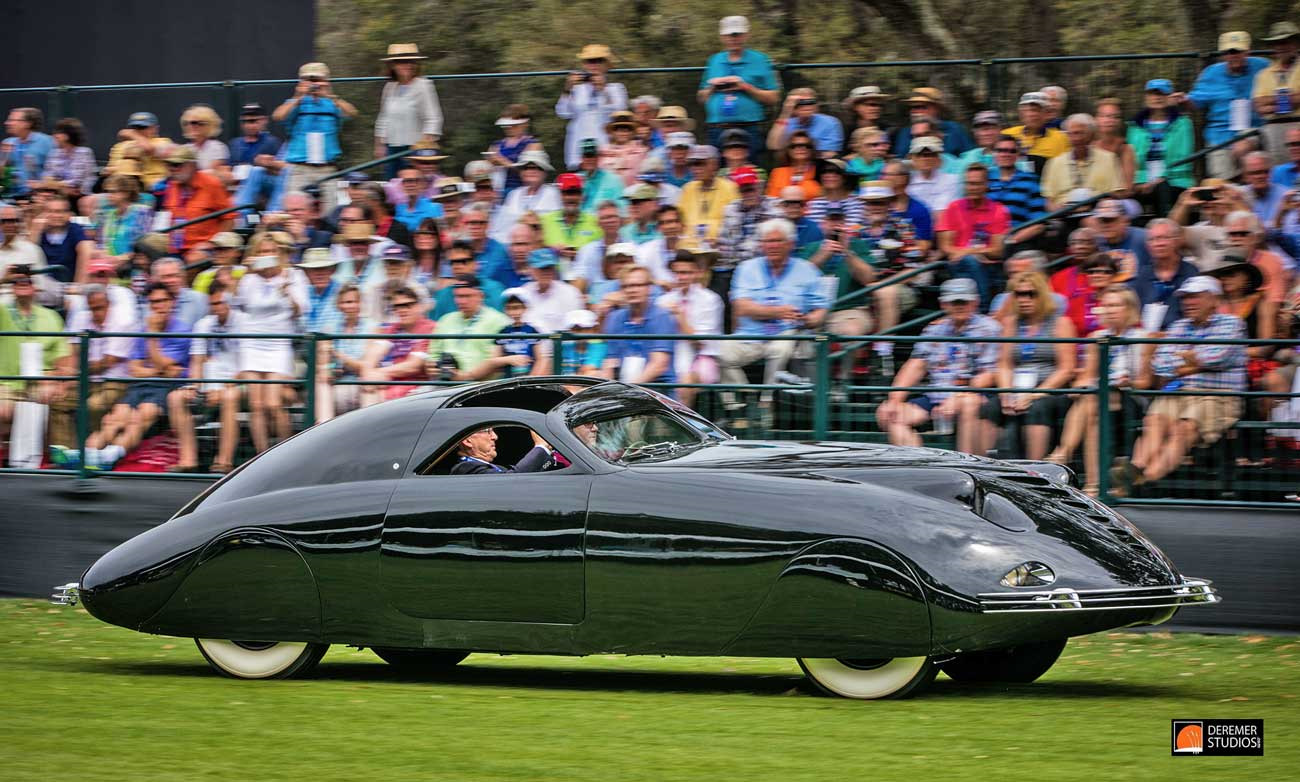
[896,677]
[1015,665]
[418,659]
[260,659]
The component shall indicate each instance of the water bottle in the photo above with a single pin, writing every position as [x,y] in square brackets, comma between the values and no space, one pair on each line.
[1283,101]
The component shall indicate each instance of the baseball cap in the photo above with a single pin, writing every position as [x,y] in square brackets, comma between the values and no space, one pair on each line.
[1108,209]
[641,192]
[591,149]
[317,258]
[142,119]
[681,139]
[1235,41]
[252,110]
[580,319]
[1201,283]
[535,158]
[542,259]
[733,137]
[515,294]
[568,182]
[181,154]
[702,152]
[356,178]
[652,170]
[478,170]
[987,118]
[396,252]
[745,175]
[958,289]
[314,70]
[621,248]
[228,240]
[101,264]
[731,25]
[1035,98]
[875,190]
[1162,86]
[925,144]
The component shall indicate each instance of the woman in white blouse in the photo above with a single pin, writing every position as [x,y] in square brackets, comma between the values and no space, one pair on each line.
[271,296]
[408,108]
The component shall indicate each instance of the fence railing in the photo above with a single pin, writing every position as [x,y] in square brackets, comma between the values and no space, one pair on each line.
[815,398]
[472,100]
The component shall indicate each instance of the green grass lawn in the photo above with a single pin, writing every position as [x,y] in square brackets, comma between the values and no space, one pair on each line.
[81,700]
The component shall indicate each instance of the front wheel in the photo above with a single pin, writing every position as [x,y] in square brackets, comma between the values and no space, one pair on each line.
[1014,665]
[260,659]
[418,659]
[896,677]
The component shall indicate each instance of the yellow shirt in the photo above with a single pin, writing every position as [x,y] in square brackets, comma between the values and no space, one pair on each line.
[152,169]
[1100,173]
[1051,143]
[1268,80]
[705,207]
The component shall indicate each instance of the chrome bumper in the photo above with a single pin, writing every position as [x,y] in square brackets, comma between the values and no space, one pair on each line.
[1190,592]
[66,594]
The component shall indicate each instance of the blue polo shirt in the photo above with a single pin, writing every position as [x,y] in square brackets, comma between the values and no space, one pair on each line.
[28,157]
[798,286]
[412,216]
[494,257]
[919,216]
[826,132]
[656,321]
[243,151]
[737,105]
[1285,175]
[313,115]
[321,309]
[1215,90]
[175,348]
[956,139]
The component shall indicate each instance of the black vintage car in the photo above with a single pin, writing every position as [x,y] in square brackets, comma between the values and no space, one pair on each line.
[653,532]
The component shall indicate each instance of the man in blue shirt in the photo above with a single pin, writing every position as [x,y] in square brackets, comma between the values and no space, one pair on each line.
[640,360]
[1217,89]
[415,207]
[27,147]
[799,113]
[777,293]
[925,104]
[463,264]
[253,141]
[313,118]
[1015,188]
[736,84]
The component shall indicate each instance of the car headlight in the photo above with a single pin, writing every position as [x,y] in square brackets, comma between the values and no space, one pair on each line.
[1028,574]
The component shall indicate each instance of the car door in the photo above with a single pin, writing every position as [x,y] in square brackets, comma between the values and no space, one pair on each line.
[495,546]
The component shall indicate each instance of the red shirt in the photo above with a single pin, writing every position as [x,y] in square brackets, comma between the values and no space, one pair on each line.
[971,225]
[202,195]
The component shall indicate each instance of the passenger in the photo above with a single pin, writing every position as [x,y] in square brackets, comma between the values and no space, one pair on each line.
[479,449]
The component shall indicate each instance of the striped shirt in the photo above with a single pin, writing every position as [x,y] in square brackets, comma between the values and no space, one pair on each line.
[1020,195]
[854,213]
[1224,365]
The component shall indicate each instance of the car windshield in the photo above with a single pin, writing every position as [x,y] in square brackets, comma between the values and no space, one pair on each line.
[622,424]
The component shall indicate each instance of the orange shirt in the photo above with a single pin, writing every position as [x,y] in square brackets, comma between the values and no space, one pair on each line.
[784,177]
[1276,280]
[202,195]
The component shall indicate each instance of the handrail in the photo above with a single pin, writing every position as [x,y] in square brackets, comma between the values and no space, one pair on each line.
[894,280]
[1065,210]
[358,167]
[206,217]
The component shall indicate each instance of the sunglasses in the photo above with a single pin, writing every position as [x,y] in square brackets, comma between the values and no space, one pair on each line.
[1026,294]
[476,222]
[21,280]
[9,220]
[1257,172]
[174,165]
[1293,143]
[801,146]
[162,300]
[792,203]
[880,143]
[697,162]
[1239,234]
[960,302]
[1100,270]
[195,122]
[1006,150]
[927,154]
[403,305]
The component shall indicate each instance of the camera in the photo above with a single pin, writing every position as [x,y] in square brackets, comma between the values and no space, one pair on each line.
[1205,194]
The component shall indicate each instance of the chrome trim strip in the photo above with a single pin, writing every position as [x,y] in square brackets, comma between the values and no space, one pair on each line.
[1187,583]
[1209,599]
[66,594]
[1190,592]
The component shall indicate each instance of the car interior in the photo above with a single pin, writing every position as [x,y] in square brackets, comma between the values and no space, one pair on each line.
[513,441]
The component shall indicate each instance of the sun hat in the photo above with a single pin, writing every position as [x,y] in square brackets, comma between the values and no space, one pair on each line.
[403,51]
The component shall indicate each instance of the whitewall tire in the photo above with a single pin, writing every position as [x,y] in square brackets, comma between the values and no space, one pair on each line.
[898,677]
[260,660]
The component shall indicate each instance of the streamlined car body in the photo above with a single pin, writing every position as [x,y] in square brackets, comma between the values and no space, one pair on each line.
[651,532]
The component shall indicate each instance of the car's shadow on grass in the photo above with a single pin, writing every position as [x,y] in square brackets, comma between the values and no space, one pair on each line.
[587,680]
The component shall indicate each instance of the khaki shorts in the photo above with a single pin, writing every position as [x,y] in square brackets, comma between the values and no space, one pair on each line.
[852,322]
[1213,415]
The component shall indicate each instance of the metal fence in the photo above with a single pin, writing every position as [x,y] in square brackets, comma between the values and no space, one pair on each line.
[1256,463]
[471,101]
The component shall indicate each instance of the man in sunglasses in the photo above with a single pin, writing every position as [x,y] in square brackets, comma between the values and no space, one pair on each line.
[192,193]
[1015,186]
[800,112]
[139,141]
[313,118]
[1116,235]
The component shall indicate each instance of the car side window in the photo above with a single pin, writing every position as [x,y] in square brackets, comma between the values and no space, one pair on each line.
[512,443]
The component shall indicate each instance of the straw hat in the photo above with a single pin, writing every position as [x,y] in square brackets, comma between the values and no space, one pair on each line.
[926,95]
[596,51]
[677,114]
[620,119]
[356,232]
[403,51]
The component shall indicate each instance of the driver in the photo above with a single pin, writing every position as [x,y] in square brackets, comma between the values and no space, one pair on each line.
[479,449]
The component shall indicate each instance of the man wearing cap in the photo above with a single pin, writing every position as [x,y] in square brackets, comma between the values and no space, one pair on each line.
[670,120]
[140,141]
[598,184]
[254,146]
[866,107]
[424,159]
[1117,235]
[643,200]
[1037,141]
[971,232]
[737,84]
[1160,135]
[927,103]
[652,174]
[322,289]
[1222,92]
[568,228]
[460,257]
[988,128]
[549,299]
[1175,424]
[738,236]
[1275,88]
[313,118]
[534,195]
[361,249]
[588,100]
[704,200]
[27,148]
[800,112]
[946,364]
[192,193]
[1083,170]
[397,272]
[476,359]
[929,184]
[676,149]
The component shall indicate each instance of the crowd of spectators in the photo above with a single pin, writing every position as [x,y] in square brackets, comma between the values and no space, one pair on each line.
[754,228]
